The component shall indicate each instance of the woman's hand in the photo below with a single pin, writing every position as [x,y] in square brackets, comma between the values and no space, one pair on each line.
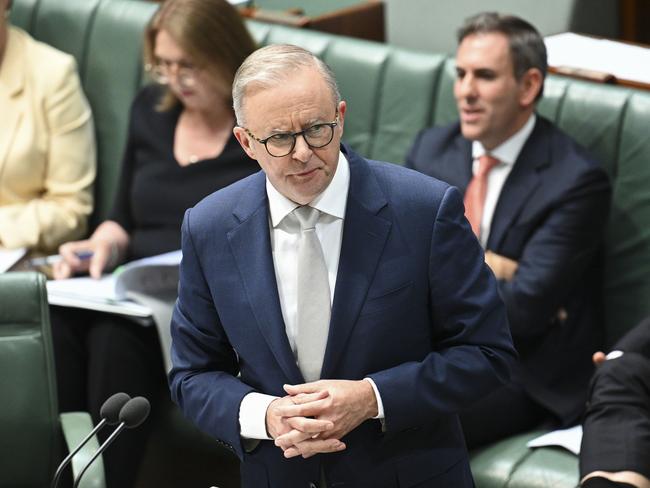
[108,247]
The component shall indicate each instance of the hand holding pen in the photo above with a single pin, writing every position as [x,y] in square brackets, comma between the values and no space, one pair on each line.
[100,253]
[93,256]
[55,258]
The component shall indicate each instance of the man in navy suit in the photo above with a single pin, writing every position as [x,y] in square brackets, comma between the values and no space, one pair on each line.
[538,204]
[363,391]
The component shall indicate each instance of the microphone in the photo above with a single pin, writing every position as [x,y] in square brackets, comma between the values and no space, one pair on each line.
[109,413]
[132,414]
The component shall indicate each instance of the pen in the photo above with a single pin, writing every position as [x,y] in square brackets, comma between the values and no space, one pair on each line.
[49,260]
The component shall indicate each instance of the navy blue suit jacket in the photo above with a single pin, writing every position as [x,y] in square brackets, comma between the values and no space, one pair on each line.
[549,218]
[415,308]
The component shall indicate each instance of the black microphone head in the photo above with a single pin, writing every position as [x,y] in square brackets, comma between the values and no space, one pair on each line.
[134,412]
[110,410]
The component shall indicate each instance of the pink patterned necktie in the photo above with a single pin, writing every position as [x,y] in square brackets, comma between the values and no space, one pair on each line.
[476,192]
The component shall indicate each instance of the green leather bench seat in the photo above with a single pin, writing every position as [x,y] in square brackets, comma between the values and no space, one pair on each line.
[509,463]
[392,93]
[31,429]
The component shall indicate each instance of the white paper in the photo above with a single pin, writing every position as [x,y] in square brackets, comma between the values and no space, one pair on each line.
[569,439]
[155,276]
[9,257]
[624,61]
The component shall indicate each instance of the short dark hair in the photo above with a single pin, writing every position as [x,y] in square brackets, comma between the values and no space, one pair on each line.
[526,44]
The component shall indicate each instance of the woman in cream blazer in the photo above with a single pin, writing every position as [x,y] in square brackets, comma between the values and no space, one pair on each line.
[47,147]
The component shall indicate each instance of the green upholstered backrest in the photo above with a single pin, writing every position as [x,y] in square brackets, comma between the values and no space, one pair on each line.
[111,78]
[391,93]
[65,25]
[29,429]
[22,14]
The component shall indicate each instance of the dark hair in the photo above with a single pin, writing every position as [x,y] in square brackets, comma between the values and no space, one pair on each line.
[211,32]
[527,47]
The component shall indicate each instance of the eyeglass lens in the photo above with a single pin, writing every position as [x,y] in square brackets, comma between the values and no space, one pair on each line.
[316,136]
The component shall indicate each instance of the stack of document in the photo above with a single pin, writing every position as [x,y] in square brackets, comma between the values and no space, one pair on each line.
[9,257]
[119,291]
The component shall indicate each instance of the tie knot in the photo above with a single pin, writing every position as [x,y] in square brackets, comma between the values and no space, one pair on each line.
[486,163]
[307,216]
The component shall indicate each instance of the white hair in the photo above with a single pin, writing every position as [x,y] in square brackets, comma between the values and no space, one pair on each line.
[271,66]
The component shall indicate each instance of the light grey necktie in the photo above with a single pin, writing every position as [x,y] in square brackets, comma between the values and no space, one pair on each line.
[313,296]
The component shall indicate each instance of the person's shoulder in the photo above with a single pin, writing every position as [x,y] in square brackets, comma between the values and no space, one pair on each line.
[147,98]
[438,138]
[433,143]
[222,203]
[404,184]
[564,147]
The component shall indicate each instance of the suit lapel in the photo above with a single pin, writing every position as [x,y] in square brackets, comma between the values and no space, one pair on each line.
[364,238]
[251,245]
[12,77]
[520,184]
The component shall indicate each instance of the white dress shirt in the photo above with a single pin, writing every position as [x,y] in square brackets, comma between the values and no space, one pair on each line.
[507,153]
[285,234]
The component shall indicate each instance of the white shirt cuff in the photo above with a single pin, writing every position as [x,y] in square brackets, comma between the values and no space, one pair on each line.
[614,354]
[380,405]
[252,416]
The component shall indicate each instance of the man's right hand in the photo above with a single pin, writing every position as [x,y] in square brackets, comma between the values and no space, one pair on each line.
[301,431]
[277,425]
[71,264]
[107,244]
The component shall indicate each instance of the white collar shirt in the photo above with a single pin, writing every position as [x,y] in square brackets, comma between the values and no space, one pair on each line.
[507,153]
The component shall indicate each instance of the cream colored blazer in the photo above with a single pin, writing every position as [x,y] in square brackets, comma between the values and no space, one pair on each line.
[47,146]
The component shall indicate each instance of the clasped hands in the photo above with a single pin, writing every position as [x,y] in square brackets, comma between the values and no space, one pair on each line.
[314,417]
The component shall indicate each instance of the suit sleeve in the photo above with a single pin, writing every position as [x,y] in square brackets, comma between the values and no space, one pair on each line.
[554,259]
[60,212]
[472,352]
[203,379]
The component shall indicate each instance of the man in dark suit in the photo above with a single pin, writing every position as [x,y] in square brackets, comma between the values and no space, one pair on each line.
[616,428]
[334,313]
[538,204]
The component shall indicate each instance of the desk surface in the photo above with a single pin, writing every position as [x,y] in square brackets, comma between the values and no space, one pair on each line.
[599,59]
[312,8]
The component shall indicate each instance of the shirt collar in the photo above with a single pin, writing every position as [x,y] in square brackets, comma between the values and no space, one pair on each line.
[508,151]
[331,201]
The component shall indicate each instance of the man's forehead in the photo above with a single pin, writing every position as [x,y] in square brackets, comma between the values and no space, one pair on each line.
[486,49]
[282,106]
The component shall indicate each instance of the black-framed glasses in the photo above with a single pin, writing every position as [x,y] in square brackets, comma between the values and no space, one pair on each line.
[281,144]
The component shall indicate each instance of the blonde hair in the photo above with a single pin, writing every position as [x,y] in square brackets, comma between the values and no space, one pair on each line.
[271,66]
[211,32]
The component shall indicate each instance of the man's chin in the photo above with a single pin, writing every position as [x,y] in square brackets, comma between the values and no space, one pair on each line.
[470,131]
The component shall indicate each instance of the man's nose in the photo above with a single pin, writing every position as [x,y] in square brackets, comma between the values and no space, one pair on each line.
[301,150]
[467,86]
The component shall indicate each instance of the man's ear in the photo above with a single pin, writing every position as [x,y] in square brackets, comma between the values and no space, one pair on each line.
[342,108]
[245,142]
[529,86]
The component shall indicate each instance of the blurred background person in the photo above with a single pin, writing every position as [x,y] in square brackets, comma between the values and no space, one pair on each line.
[47,146]
[538,203]
[615,449]
[180,148]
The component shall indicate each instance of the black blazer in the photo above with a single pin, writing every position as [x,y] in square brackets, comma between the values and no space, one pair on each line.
[549,218]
